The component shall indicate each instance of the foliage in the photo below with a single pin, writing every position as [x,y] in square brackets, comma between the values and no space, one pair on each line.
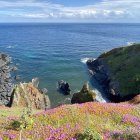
[88,135]
[125,66]
[89,121]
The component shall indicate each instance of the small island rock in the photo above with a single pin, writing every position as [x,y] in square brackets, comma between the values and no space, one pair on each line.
[64,87]
[85,95]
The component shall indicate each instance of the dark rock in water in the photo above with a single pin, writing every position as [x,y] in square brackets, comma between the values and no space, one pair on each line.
[85,95]
[64,87]
[6,85]
[17,77]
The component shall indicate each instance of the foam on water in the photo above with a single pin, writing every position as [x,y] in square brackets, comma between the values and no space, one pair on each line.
[99,97]
[10,47]
[130,43]
[84,60]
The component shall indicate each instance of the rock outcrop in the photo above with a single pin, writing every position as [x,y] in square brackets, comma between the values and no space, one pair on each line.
[63,87]
[27,95]
[102,73]
[6,84]
[85,95]
[135,100]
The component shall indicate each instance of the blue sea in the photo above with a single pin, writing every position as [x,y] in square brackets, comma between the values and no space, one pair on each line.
[56,51]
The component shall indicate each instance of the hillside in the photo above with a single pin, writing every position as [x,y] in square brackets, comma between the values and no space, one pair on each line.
[89,121]
[119,71]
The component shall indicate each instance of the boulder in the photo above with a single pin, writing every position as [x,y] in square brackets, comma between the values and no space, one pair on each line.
[27,95]
[63,87]
[85,95]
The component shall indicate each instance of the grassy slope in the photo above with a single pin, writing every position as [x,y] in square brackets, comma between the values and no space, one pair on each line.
[91,120]
[125,65]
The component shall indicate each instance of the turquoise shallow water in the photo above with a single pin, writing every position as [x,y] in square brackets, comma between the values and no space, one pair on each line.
[53,52]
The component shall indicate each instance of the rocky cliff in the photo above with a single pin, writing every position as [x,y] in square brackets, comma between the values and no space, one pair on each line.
[22,94]
[6,84]
[27,95]
[118,71]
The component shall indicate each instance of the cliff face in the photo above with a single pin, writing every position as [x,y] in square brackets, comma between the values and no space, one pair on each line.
[27,95]
[6,85]
[23,94]
[118,71]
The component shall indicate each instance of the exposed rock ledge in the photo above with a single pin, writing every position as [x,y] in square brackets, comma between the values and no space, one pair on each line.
[103,75]
[27,95]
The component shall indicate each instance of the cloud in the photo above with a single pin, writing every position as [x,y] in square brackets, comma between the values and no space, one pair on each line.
[106,10]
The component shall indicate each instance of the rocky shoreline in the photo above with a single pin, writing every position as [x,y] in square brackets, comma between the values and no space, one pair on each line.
[6,81]
[19,94]
[117,71]
[101,72]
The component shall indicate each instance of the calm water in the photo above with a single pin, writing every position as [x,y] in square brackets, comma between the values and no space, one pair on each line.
[54,51]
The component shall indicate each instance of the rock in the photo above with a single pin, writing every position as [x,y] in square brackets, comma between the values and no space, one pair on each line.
[27,95]
[17,77]
[6,85]
[35,82]
[103,75]
[135,100]
[64,87]
[85,95]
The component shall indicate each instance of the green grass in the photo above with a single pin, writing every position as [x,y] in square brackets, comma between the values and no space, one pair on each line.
[96,121]
[125,66]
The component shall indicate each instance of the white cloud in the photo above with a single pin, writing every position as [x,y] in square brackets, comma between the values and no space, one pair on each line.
[105,10]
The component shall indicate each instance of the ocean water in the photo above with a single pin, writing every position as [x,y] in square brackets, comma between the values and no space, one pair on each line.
[54,52]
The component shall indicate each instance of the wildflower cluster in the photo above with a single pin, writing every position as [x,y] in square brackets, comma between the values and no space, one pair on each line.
[102,121]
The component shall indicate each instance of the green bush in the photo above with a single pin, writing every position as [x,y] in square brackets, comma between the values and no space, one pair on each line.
[15,125]
[88,135]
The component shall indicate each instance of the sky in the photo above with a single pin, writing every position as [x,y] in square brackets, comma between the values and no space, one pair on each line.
[96,11]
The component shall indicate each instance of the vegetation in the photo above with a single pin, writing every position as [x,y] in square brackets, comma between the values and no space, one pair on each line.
[96,121]
[125,66]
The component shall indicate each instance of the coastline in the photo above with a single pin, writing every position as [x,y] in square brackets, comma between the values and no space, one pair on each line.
[113,69]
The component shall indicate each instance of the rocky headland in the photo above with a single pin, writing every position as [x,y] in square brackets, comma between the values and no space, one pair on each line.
[118,72]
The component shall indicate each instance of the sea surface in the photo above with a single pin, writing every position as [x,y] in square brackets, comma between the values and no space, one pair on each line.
[53,52]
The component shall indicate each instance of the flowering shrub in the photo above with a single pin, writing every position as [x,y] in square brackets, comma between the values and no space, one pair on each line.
[96,121]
